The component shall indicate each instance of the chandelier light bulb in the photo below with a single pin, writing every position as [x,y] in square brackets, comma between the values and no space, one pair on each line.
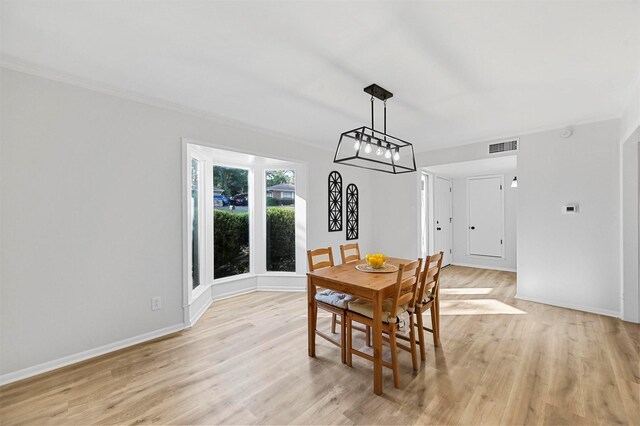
[396,156]
[387,152]
[367,148]
[379,151]
[356,145]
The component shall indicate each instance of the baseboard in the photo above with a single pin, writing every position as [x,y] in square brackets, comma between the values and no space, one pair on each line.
[92,353]
[589,309]
[253,290]
[233,293]
[495,268]
[282,288]
[193,320]
[82,356]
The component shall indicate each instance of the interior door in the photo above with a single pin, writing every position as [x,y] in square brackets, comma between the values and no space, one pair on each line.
[442,218]
[485,202]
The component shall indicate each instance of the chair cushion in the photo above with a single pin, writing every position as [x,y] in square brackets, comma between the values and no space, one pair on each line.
[334,298]
[428,297]
[365,308]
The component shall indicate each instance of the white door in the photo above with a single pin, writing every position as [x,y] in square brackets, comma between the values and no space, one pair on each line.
[486,211]
[442,218]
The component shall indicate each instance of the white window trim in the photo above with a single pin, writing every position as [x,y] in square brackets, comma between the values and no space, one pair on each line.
[201,244]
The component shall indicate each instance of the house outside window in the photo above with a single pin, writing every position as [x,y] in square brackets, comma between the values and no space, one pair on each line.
[283,191]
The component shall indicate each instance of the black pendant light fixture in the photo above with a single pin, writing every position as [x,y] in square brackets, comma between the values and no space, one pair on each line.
[368,148]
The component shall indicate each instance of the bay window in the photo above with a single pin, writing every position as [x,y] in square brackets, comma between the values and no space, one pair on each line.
[245,223]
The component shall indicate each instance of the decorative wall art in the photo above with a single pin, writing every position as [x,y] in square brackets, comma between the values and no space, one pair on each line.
[335,202]
[352,212]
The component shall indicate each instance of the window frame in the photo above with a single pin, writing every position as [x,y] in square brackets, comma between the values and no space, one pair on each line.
[251,210]
[202,246]
[295,170]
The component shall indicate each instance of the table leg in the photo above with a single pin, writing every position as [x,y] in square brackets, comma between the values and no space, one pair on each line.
[377,344]
[311,316]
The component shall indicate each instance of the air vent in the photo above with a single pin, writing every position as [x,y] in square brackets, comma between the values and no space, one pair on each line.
[495,148]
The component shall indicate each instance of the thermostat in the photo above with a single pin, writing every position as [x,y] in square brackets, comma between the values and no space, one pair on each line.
[570,209]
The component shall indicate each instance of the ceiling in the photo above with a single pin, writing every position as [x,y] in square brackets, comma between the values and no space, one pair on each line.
[487,166]
[459,71]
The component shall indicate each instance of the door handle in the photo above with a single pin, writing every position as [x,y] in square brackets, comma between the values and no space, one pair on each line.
[472,227]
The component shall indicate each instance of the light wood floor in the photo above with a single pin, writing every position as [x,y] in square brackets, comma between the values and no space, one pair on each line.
[502,361]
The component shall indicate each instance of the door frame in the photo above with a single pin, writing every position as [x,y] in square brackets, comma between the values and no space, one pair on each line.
[433,221]
[424,219]
[502,246]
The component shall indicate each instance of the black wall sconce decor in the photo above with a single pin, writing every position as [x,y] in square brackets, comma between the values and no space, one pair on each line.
[352,212]
[335,202]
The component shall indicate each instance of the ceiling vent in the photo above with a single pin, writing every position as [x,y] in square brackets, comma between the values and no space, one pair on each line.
[496,148]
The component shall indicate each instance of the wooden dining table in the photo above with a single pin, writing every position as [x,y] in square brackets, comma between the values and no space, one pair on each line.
[347,279]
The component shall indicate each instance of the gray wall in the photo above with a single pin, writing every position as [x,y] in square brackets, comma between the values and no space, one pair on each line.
[92,214]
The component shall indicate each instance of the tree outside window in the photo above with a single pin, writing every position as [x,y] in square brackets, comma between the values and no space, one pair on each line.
[231,249]
[281,220]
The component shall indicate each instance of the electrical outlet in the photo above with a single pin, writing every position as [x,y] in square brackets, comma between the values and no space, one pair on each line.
[156,303]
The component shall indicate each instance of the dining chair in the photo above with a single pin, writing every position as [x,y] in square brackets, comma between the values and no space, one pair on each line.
[350,253]
[403,300]
[428,298]
[331,301]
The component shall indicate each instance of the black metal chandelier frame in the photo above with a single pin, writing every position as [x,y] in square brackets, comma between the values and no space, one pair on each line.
[381,141]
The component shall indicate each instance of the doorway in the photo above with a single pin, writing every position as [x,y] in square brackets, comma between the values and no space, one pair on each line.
[476,194]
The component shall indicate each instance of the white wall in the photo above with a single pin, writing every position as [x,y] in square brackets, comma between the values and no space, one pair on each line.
[570,260]
[630,118]
[630,227]
[580,255]
[92,216]
[460,230]
[630,135]
[395,208]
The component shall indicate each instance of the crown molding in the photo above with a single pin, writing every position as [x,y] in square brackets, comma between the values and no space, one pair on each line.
[14,64]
